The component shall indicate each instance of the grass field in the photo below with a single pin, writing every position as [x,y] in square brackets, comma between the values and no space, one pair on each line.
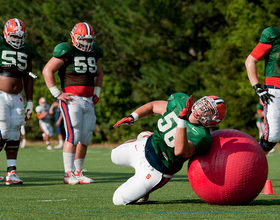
[44,196]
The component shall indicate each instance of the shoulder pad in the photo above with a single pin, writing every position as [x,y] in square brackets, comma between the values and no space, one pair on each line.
[98,50]
[63,49]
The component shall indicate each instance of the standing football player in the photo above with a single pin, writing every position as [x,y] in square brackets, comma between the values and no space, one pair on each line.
[269,49]
[44,117]
[16,56]
[182,131]
[81,79]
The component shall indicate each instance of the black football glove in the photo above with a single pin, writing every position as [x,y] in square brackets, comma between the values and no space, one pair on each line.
[263,94]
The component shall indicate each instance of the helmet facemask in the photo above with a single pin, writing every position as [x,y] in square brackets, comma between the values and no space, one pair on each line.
[15,33]
[206,112]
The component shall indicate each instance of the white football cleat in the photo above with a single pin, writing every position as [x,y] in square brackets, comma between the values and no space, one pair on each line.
[70,179]
[144,134]
[49,147]
[58,147]
[83,179]
[12,178]
[1,178]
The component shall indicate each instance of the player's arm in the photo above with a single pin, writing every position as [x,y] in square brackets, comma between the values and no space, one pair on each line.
[155,107]
[51,67]
[183,147]
[251,66]
[28,83]
[28,89]
[98,83]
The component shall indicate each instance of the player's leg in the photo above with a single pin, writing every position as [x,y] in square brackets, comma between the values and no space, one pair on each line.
[272,122]
[12,144]
[88,126]
[45,127]
[23,139]
[72,117]
[145,180]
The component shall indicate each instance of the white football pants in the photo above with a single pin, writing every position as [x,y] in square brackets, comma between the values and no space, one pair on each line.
[145,179]
[272,117]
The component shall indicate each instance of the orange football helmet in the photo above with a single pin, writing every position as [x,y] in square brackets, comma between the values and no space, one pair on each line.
[42,100]
[83,36]
[209,110]
[15,28]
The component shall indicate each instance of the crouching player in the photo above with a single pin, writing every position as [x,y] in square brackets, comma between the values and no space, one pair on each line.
[182,130]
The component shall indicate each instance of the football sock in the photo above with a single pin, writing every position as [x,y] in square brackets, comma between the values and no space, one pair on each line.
[68,160]
[79,163]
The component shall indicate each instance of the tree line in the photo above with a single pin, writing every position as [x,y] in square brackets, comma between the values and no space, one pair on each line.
[153,48]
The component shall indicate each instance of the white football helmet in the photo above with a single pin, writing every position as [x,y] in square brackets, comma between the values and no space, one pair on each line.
[209,110]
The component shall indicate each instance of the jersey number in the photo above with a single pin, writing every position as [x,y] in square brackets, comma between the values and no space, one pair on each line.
[164,124]
[82,65]
[13,57]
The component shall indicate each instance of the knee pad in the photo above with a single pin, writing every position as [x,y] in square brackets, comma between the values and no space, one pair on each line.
[266,145]
[118,199]
[12,146]
[86,139]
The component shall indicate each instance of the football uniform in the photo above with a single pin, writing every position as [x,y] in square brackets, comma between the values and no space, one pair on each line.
[271,35]
[45,123]
[153,157]
[77,78]
[260,124]
[12,105]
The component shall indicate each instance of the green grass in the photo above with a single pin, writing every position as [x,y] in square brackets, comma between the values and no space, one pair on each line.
[44,196]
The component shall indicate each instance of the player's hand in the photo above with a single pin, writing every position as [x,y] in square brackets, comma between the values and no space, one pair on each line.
[128,120]
[95,99]
[28,110]
[263,94]
[187,110]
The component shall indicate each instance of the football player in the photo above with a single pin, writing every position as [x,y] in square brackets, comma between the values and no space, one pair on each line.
[182,131]
[44,117]
[15,63]
[81,79]
[269,49]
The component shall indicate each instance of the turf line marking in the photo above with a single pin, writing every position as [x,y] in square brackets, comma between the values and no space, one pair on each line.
[161,212]
[52,200]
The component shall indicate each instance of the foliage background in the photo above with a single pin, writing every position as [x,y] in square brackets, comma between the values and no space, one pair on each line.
[153,48]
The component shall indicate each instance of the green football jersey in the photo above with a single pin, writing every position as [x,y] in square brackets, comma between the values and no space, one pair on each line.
[164,136]
[80,67]
[271,35]
[18,57]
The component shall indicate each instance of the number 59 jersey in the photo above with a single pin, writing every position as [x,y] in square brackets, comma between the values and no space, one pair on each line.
[80,67]
[164,135]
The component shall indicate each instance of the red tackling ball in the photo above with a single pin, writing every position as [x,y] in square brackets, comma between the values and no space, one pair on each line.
[233,172]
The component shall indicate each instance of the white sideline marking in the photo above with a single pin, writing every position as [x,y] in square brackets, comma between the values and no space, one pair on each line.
[52,200]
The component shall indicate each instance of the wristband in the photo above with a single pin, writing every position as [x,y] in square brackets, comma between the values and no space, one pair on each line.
[135,116]
[55,91]
[181,123]
[97,90]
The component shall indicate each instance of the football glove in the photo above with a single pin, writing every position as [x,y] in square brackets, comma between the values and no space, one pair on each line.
[95,99]
[263,94]
[187,110]
[128,120]
[28,110]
